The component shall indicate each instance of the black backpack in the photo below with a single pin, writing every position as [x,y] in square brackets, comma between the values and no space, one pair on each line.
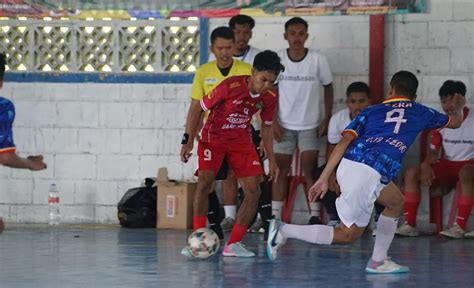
[137,208]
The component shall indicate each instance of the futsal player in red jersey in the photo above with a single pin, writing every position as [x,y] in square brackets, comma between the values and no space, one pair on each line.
[227,133]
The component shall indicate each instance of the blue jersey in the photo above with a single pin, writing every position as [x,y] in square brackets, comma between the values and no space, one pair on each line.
[7,115]
[385,131]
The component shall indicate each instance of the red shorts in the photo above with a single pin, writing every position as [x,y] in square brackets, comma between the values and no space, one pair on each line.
[241,157]
[447,172]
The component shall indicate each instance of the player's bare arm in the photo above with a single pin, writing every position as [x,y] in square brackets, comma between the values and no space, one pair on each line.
[320,188]
[328,102]
[199,126]
[277,129]
[267,138]
[330,148]
[34,163]
[426,171]
[192,123]
[333,185]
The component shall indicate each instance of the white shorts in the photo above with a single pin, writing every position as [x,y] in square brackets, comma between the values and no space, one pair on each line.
[360,187]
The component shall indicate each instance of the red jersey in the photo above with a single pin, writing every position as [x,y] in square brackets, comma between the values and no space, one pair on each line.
[232,107]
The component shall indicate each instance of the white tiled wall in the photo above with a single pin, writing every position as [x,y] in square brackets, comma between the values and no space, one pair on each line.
[101,139]
[98,141]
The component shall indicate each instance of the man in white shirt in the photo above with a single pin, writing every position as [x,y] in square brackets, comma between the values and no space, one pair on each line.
[457,164]
[299,121]
[242,26]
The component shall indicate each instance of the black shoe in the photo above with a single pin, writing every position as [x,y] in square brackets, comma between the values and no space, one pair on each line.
[217,228]
[314,220]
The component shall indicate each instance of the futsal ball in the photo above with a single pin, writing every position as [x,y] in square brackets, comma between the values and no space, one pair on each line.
[203,243]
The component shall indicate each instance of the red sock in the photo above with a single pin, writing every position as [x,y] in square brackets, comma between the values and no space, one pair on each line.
[464,210]
[412,201]
[238,233]
[199,222]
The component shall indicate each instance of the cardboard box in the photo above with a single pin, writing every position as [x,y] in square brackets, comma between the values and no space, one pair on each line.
[174,202]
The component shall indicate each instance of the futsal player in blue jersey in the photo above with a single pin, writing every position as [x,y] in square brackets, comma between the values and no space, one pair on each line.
[8,156]
[371,149]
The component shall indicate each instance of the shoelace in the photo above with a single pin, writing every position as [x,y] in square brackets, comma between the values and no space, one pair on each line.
[239,244]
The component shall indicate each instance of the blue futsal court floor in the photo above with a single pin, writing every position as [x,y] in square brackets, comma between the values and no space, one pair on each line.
[110,256]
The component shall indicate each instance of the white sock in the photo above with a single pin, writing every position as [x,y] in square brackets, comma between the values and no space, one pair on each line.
[386,227]
[314,206]
[277,207]
[319,234]
[230,211]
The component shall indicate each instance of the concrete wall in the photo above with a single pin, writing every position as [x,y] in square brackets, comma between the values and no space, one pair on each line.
[101,139]
[98,141]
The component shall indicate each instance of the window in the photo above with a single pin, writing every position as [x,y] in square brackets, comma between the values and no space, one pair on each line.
[115,46]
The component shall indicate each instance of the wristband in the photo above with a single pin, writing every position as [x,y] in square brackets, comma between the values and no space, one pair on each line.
[185,139]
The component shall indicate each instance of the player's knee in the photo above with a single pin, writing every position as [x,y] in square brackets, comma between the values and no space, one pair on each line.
[345,235]
[397,203]
[349,237]
[400,203]
[253,193]
[308,164]
[283,164]
[205,183]
[466,175]
[283,170]
[411,175]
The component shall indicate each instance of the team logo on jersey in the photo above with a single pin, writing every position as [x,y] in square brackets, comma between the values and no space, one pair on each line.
[259,105]
[210,95]
[234,85]
[210,81]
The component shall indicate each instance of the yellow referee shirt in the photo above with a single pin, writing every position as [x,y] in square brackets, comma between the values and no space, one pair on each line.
[209,76]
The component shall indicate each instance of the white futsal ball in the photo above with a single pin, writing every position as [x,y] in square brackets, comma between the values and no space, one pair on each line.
[203,243]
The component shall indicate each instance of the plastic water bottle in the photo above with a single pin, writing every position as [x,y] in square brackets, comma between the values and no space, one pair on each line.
[53,201]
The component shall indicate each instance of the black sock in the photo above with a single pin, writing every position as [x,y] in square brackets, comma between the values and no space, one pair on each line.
[329,202]
[214,215]
[265,201]
[265,205]
[378,210]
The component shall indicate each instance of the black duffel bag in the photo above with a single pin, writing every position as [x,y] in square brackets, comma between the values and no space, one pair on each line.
[137,208]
